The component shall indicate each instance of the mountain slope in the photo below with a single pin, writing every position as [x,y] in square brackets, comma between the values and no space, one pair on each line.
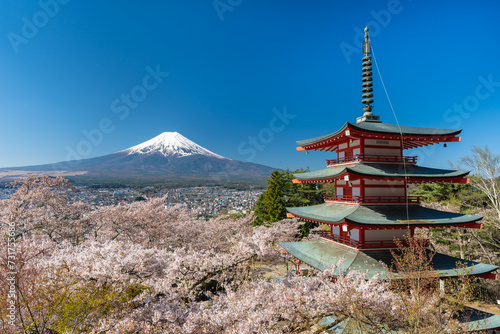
[168,158]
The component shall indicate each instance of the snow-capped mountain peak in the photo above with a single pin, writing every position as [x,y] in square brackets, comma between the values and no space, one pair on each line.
[171,144]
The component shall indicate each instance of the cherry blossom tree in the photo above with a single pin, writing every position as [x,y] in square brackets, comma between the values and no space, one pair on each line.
[41,206]
[421,293]
[485,167]
[140,246]
[143,268]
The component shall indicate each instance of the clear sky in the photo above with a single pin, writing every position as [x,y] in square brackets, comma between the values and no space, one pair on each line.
[243,78]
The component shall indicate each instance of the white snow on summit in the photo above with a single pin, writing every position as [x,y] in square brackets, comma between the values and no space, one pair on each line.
[171,144]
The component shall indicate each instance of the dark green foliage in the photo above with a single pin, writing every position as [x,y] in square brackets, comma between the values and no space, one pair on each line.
[270,206]
[462,195]
[300,194]
[259,210]
[437,192]
[281,192]
[328,188]
[274,205]
[306,228]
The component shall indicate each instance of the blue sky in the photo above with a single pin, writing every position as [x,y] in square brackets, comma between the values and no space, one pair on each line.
[245,79]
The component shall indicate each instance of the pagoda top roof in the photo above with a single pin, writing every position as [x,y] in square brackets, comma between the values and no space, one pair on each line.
[321,254]
[396,171]
[383,128]
[382,216]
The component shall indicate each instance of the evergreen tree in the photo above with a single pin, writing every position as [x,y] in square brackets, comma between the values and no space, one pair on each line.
[281,192]
[271,206]
[259,209]
[462,195]
[300,194]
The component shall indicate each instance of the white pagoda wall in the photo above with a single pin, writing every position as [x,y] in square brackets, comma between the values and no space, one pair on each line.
[385,147]
[390,234]
[383,142]
[387,188]
[396,152]
[336,230]
[376,182]
[355,143]
[384,191]
[354,234]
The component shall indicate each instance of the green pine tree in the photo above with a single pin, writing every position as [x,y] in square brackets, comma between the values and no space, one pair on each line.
[274,204]
[281,192]
[301,194]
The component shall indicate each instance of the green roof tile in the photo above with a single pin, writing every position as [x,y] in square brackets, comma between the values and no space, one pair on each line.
[381,215]
[383,128]
[386,171]
[476,320]
[321,254]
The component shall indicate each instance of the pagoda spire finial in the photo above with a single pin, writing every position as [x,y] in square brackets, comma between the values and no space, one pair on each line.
[366,45]
[367,82]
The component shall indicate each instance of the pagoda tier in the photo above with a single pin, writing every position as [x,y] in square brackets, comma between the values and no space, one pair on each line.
[373,133]
[388,172]
[321,254]
[377,184]
[383,217]
[377,227]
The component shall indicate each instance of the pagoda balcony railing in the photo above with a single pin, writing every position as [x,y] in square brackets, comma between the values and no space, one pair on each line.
[373,199]
[371,158]
[372,244]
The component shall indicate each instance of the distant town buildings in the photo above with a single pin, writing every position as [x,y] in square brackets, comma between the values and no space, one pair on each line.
[210,201]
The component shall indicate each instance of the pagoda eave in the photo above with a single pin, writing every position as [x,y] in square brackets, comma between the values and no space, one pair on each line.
[408,142]
[352,224]
[474,320]
[382,172]
[383,217]
[491,276]
[409,179]
[321,254]
[411,137]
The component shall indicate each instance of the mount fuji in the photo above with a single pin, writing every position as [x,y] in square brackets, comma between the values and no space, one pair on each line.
[170,144]
[169,158]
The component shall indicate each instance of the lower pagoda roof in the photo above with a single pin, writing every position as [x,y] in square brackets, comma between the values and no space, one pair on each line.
[321,254]
[475,320]
[386,216]
[397,171]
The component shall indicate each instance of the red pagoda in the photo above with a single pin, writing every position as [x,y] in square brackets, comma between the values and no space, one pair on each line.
[371,206]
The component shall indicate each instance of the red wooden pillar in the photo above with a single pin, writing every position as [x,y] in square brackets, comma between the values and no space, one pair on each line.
[342,232]
[348,191]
